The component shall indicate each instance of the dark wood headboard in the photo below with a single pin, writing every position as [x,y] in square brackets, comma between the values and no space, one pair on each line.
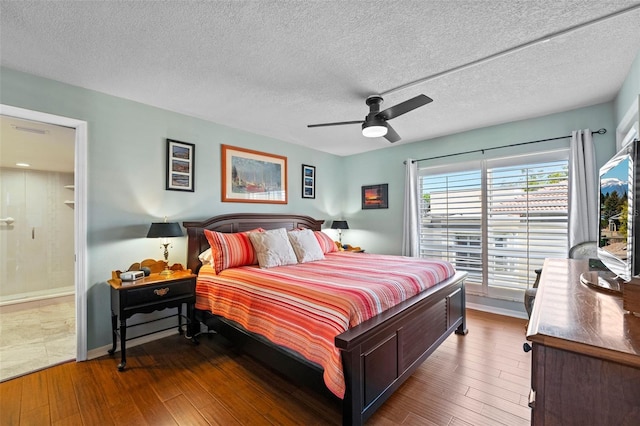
[240,222]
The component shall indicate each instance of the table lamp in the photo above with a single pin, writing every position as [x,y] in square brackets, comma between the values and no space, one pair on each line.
[165,230]
[339,225]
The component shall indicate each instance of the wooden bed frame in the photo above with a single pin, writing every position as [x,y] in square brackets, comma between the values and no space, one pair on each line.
[377,355]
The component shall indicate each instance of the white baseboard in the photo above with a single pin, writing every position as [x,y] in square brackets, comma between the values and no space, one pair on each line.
[102,351]
[497,311]
[36,299]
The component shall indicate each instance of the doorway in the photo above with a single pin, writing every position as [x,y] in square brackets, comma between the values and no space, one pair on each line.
[43,235]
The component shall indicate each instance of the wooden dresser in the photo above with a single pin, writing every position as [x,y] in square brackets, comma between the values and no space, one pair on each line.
[586,352]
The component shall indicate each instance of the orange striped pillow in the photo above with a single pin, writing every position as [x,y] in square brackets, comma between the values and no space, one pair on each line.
[231,250]
[326,243]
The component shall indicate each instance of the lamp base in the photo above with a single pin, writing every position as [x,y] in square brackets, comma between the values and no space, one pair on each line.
[166,271]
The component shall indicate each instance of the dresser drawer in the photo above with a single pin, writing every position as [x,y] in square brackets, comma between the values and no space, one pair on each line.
[160,292]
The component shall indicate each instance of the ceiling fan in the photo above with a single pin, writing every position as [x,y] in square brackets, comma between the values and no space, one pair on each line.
[375,123]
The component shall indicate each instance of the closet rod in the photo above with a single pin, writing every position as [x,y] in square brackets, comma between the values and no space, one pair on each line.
[600,132]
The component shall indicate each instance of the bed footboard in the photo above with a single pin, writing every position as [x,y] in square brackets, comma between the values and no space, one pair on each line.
[380,354]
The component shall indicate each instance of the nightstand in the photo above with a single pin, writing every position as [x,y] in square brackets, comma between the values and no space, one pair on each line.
[152,293]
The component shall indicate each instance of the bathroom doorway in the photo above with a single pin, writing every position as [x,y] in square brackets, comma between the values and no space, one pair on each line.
[42,301]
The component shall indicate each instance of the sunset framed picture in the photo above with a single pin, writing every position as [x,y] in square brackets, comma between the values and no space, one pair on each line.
[180,166]
[250,176]
[375,196]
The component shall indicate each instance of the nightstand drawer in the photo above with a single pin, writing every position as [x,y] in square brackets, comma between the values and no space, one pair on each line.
[157,293]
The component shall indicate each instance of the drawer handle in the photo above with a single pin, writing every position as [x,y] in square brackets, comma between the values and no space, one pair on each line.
[532,399]
[161,291]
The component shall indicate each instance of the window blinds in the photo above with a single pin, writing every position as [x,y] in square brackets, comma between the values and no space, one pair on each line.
[497,219]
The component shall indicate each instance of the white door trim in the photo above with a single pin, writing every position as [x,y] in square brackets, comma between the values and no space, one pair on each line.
[628,128]
[80,212]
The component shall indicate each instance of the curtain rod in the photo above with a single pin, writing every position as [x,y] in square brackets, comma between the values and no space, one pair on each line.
[600,132]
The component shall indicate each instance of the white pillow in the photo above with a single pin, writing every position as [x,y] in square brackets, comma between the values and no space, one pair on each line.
[305,245]
[206,257]
[273,248]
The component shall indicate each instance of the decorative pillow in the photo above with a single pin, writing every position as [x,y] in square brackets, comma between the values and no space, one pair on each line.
[206,256]
[230,250]
[273,248]
[305,245]
[326,243]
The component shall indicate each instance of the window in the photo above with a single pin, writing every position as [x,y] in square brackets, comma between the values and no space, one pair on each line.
[496,219]
[451,219]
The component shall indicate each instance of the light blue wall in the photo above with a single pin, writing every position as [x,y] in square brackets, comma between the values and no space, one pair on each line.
[126,177]
[630,90]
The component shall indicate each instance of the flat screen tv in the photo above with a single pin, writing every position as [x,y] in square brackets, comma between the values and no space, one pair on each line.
[619,220]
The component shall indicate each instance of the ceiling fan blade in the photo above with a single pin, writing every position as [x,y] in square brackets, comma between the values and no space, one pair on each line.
[404,107]
[391,135]
[340,123]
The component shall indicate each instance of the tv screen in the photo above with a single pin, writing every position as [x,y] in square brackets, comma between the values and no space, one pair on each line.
[618,183]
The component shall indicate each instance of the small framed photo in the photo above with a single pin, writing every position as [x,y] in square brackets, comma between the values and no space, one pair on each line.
[375,196]
[308,181]
[180,165]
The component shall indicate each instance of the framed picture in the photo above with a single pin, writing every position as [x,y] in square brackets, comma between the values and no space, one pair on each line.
[375,196]
[253,177]
[308,181]
[180,165]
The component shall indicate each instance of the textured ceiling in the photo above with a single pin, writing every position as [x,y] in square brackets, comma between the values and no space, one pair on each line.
[272,67]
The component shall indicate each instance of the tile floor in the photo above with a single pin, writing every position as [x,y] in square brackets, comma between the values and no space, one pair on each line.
[36,335]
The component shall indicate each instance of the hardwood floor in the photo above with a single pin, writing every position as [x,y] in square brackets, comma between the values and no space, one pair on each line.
[479,379]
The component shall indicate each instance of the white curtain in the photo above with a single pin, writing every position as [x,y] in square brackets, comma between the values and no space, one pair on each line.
[411,231]
[583,189]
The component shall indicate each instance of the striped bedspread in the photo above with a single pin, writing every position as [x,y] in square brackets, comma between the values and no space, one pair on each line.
[304,307]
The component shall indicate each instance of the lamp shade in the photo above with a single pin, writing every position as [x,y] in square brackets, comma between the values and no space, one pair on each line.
[165,230]
[339,224]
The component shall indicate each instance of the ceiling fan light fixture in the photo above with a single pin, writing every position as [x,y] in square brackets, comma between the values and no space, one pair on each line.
[375,124]
[374,130]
